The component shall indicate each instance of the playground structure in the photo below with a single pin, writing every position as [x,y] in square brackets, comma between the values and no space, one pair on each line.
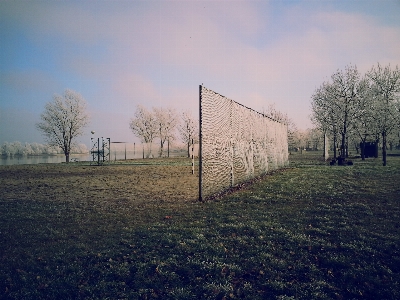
[100,151]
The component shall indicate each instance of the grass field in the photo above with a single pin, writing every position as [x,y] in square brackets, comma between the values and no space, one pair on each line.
[311,231]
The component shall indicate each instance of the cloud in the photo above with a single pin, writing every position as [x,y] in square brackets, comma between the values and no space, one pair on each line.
[158,52]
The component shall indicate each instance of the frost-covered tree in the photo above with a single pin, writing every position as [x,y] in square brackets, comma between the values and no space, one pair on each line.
[79,149]
[144,126]
[63,120]
[385,90]
[324,116]
[294,140]
[7,149]
[336,104]
[365,126]
[188,130]
[166,120]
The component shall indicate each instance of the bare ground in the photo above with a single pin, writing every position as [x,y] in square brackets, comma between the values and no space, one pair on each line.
[134,182]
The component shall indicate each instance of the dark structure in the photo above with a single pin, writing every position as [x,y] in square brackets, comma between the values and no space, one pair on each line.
[369,149]
[100,151]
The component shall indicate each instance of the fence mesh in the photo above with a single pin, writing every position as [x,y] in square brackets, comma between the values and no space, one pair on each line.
[237,143]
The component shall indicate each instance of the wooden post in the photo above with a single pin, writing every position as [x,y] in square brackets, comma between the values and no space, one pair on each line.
[200,150]
[326,147]
[98,151]
[192,157]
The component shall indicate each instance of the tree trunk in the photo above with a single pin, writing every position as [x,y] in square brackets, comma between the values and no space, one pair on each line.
[363,149]
[357,148]
[66,157]
[188,149]
[384,147]
[343,146]
[334,146]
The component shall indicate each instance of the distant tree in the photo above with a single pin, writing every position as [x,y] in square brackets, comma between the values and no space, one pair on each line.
[166,121]
[336,104]
[324,116]
[393,139]
[294,136]
[63,120]
[144,126]
[316,138]
[365,126]
[272,112]
[385,90]
[295,139]
[188,130]
[7,149]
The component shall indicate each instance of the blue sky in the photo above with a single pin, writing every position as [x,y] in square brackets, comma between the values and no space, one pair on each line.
[118,54]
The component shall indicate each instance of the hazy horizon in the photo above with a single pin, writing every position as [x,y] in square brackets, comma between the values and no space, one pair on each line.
[118,54]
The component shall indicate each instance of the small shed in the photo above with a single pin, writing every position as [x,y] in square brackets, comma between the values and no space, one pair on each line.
[370,149]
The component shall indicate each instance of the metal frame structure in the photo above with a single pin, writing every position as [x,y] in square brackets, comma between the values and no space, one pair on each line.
[100,151]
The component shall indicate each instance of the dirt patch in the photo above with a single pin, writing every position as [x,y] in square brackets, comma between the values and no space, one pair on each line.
[133,182]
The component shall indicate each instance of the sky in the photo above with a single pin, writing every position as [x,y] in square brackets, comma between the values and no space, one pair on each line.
[118,54]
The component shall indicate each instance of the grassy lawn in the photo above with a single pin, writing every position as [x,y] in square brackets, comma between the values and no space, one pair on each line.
[311,231]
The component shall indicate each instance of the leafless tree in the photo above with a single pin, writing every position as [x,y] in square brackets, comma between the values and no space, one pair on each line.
[365,127]
[293,134]
[336,104]
[272,112]
[144,126]
[323,114]
[385,89]
[188,130]
[63,120]
[166,120]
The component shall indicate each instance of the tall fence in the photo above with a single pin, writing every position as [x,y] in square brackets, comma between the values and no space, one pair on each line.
[236,143]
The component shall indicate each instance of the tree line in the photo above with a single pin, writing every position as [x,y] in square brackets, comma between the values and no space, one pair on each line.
[26,149]
[363,107]
[64,119]
[164,125]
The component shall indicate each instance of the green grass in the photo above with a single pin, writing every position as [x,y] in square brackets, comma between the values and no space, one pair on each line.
[309,232]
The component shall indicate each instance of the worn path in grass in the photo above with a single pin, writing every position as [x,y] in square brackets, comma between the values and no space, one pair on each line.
[309,232]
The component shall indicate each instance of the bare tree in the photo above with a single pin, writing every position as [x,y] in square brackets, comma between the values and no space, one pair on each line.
[166,120]
[324,116]
[385,89]
[63,120]
[293,134]
[347,90]
[336,103]
[272,112]
[295,139]
[144,126]
[365,127]
[188,130]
